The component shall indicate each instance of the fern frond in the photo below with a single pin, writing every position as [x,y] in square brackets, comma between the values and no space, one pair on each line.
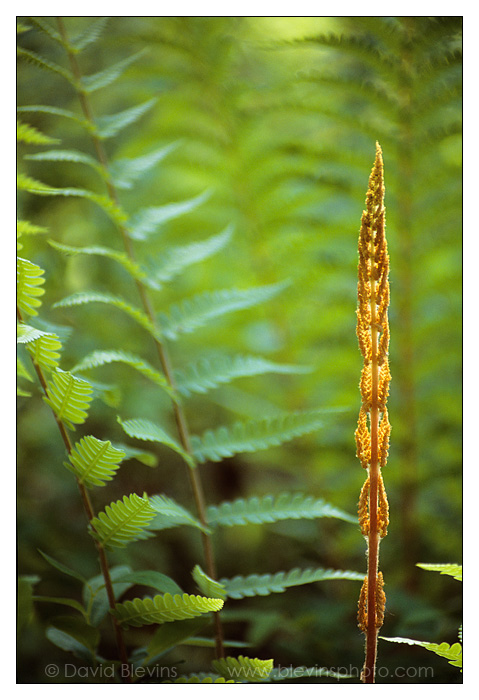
[265,584]
[110,208]
[26,183]
[271,509]
[45,64]
[175,260]
[31,135]
[199,310]
[111,125]
[69,397]
[126,171]
[454,570]
[164,608]
[453,653]
[129,265]
[41,345]
[98,297]
[208,586]
[123,522]
[208,373]
[243,668]
[29,286]
[254,435]
[103,78]
[55,111]
[46,28]
[67,156]
[89,36]
[146,430]
[144,456]
[94,461]
[148,220]
[103,357]
[170,514]
[26,228]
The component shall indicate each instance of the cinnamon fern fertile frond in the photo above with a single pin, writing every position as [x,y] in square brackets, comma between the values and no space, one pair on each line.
[372,433]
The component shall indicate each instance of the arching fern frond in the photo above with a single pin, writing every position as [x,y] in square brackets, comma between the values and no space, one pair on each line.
[111,125]
[175,260]
[254,435]
[126,171]
[147,430]
[243,668]
[199,310]
[55,111]
[101,298]
[69,397]
[103,357]
[453,653]
[271,509]
[123,522]
[454,570]
[129,265]
[170,514]
[44,63]
[89,35]
[29,286]
[103,78]
[265,584]
[67,156]
[164,608]
[94,461]
[208,586]
[148,220]
[208,373]
[110,208]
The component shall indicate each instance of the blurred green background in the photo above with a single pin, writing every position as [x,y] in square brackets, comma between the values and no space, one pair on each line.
[277,118]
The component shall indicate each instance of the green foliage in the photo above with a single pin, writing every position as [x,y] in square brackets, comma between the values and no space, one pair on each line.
[264,127]
[265,584]
[69,397]
[453,653]
[454,570]
[94,461]
[244,668]
[164,608]
[123,521]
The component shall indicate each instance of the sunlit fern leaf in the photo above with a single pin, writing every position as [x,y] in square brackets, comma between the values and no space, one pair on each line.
[111,125]
[254,435]
[243,668]
[271,509]
[170,514]
[104,357]
[175,260]
[208,586]
[454,570]
[100,298]
[31,135]
[68,156]
[126,171]
[265,584]
[89,35]
[110,208]
[91,83]
[453,653]
[164,608]
[146,221]
[29,286]
[123,521]
[129,265]
[151,432]
[69,397]
[197,679]
[42,346]
[208,373]
[55,111]
[94,461]
[199,310]
[40,62]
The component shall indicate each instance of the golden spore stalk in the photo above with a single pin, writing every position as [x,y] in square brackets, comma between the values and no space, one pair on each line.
[373,430]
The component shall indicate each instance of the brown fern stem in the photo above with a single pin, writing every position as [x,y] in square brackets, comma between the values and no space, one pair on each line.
[180,417]
[90,514]
[372,441]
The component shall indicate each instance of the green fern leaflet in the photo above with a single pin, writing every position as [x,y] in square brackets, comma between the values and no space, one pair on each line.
[94,461]
[69,397]
[29,286]
[164,608]
[123,522]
